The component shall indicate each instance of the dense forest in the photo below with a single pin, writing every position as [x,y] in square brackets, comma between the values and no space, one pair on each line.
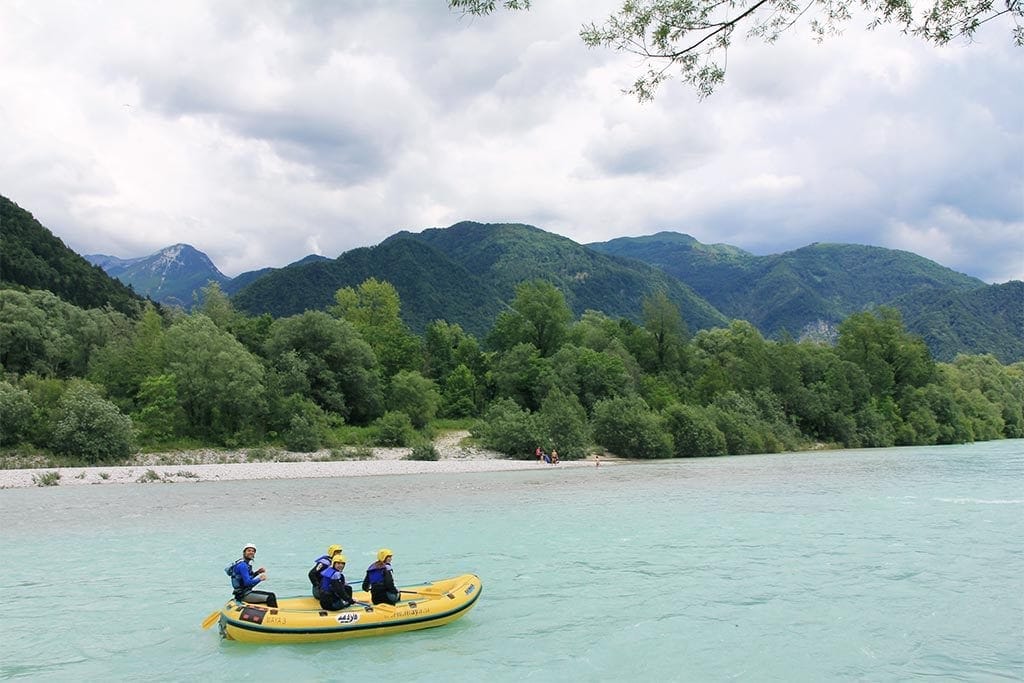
[94,384]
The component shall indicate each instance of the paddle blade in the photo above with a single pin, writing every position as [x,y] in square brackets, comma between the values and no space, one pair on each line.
[211,619]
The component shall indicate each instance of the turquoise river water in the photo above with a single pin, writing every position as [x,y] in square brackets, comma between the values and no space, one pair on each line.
[876,565]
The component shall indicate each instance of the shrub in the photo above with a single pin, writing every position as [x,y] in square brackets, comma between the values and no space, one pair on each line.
[46,479]
[307,425]
[508,429]
[563,424]
[263,454]
[16,410]
[423,451]
[90,427]
[415,395]
[394,428]
[148,477]
[693,431]
[628,427]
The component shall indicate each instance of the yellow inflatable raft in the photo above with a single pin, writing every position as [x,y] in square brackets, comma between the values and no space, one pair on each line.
[301,620]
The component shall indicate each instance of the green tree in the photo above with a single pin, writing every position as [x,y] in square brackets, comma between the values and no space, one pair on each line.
[122,364]
[339,368]
[1002,386]
[220,384]
[538,315]
[562,422]
[446,346]
[523,375]
[508,429]
[663,320]
[590,375]
[694,433]
[16,414]
[394,428]
[693,38]
[160,415]
[45,393]
[732,359]
[374,310]
[460,395]
[892,359]
[88,426]
[44,335]
[212,302]
[306,426]
[628,427]
[415,395]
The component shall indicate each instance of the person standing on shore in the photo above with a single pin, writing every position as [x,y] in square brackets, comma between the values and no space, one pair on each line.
[244,579]
[380,580]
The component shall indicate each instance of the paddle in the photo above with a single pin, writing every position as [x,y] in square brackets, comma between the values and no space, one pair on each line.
[211,620]
[439,595]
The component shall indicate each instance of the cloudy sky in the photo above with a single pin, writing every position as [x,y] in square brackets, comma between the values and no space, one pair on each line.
[263,131]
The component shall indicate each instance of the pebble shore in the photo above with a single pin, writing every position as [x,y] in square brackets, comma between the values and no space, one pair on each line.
[200,466]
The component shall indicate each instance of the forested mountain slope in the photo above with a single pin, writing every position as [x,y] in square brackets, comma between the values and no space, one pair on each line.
[431,285]
[819,283]
[510,253]
[32,257]
[466,273]
[985,320]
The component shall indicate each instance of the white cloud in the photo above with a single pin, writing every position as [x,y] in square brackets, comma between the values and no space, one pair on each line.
[260,132]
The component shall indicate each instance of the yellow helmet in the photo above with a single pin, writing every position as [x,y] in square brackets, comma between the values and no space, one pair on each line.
[338,557]
[333,550]
[383,554]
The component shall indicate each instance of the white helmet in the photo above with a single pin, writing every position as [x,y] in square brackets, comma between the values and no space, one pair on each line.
[247,546]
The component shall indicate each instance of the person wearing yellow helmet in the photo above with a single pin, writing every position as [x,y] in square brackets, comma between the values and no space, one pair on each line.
[380,580]
[244,579]
[335,593]
[321,563]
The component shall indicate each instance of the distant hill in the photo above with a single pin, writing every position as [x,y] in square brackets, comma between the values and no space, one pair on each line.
[466,273]
[238,283]
[985,320]
[431,285]
[32,257]
[172,275]
[790,291]
[510,253]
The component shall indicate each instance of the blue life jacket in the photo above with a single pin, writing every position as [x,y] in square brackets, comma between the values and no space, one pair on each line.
[375,573]
[318,566]
[328,575]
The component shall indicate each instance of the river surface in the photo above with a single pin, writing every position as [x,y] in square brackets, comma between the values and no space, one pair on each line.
[882,565]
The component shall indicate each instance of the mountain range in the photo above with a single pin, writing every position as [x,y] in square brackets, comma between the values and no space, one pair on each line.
[468,272]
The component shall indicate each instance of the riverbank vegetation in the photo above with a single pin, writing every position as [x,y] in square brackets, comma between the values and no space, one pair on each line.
[95,385]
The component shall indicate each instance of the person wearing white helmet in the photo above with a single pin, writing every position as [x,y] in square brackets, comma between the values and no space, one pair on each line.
[244,579]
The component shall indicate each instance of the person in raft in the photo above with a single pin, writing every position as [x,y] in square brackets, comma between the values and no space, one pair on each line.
[244,579]
[380,581]
[323,562]
[335,593]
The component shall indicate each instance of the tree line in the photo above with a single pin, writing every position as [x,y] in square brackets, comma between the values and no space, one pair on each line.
[97,384]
